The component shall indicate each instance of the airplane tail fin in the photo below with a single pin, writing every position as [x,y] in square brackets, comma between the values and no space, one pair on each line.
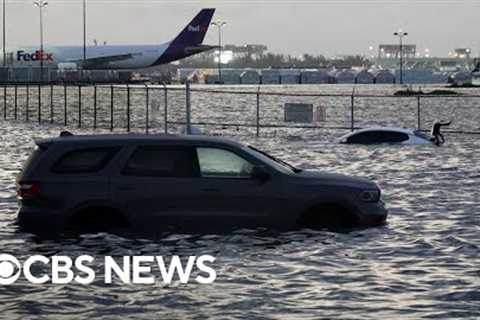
[195,31]
[189,41]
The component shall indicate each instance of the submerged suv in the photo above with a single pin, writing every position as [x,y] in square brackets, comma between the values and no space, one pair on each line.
[162,180]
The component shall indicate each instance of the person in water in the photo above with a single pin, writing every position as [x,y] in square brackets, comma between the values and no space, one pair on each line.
[437,136]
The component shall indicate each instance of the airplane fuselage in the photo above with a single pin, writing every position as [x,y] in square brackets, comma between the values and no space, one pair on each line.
[141,56]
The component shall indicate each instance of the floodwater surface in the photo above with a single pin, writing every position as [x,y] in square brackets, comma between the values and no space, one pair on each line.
[425,263]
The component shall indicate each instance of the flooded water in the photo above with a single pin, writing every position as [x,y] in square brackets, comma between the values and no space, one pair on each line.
[425,263]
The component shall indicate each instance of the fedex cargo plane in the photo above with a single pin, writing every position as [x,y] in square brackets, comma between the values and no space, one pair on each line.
[187,43]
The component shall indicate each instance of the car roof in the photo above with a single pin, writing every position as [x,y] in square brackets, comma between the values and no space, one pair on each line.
[389,129]
[134,138]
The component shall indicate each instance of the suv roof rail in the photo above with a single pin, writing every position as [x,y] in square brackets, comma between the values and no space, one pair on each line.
[66,134]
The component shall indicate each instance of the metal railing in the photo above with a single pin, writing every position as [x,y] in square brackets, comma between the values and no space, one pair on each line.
[168,108]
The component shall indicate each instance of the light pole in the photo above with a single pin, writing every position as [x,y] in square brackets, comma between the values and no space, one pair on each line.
[41,4]
[84,31]
[84,37]
[219,25]
[4,35]
[400,34]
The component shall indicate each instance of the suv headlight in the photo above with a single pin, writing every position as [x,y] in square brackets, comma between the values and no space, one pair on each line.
[370,195]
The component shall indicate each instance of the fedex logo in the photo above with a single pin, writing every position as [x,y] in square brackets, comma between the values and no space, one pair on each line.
[196,28]
[38,55]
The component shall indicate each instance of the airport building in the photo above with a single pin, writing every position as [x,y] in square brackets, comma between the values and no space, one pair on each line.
[462,53]
[392,51]
[231,76]
[251,50]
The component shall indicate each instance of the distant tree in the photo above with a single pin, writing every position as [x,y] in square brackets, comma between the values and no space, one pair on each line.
[274,60]
[352,61]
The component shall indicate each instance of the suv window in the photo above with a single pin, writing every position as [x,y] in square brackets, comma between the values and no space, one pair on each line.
[84,160]
[378,137]
[215,162]
[162,161]
[395,137]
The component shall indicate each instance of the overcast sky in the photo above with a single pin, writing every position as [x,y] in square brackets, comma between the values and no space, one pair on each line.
[317,27]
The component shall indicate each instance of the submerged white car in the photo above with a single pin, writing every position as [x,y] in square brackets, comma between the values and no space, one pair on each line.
[378,135]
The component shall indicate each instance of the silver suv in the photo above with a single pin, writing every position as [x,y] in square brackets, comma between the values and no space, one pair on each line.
[183,181]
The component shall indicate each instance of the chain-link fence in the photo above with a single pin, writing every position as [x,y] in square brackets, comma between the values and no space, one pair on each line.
[230,110]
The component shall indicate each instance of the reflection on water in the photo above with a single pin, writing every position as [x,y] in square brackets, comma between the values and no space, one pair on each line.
[424,263]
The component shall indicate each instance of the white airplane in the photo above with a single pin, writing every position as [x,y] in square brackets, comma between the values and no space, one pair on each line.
[187,43]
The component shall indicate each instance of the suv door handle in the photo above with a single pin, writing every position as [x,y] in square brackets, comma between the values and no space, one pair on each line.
[126,187]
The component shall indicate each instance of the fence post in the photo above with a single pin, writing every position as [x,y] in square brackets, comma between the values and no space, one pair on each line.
[79,106]
[188,110]
[128,108]
[94,107]
[147,107]
[352,111]
[258,112]
[27,109]
[51,103]
[165,114]
[39,103]
[5,102]
[65,116]
[16,102]
[419,120]
[111,107]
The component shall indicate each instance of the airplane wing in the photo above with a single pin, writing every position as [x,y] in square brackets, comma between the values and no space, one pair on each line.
[99,61]
[199,48]
[102,61]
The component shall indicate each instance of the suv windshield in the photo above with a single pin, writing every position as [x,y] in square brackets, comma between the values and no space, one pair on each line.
[273,160]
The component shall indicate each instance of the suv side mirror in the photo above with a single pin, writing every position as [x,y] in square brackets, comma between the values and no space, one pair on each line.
[260,173]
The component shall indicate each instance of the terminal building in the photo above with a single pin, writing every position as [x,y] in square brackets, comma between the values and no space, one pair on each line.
[393,51]
[248,50]
[462,53]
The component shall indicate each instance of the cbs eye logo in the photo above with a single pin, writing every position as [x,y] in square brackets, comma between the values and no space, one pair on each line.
[9,269]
